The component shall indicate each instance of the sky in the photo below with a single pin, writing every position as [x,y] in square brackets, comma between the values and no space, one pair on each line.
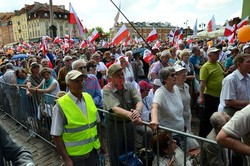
[102,12]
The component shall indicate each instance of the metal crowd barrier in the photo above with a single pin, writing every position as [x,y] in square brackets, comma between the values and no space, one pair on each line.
[34,114]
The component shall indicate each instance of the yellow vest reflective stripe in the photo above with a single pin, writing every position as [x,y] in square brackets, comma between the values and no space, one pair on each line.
[80,132]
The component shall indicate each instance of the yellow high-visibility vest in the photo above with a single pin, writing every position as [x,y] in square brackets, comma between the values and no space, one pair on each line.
[80,132]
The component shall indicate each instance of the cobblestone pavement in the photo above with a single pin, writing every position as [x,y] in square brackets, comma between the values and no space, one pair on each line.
[43,153]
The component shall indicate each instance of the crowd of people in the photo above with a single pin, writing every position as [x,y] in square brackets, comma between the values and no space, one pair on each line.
[162,92]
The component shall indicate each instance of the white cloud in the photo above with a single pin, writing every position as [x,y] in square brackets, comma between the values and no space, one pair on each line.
[236,14]
[211,4]
[102,12]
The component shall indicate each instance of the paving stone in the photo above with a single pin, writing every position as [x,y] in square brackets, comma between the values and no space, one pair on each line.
[43,153]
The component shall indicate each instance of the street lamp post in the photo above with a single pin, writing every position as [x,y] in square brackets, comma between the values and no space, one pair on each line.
[52,27]
[202,25]
[186,23]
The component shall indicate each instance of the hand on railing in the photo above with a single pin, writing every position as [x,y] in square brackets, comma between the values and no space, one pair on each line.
[136,117]
[154,125]
[171,162]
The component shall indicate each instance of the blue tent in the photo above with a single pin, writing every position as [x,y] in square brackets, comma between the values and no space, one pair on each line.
[19,56]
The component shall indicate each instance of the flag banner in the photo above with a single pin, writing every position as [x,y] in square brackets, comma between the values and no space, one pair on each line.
[148,56]
[211,25]
[120,35]
[152,36]
[195,29]
[95,34]
[73,19]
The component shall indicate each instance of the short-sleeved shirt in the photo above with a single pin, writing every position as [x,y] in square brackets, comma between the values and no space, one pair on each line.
[126,100]
[170,110]
[195,60]
[35,81]
[239,125]
[212,74]
[59,120]
[235,87]
[228,62]
[156,67]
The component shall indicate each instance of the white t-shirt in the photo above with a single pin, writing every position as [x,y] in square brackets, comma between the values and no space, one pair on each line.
[239,125]
[234,87]
[170,110]
[101,66]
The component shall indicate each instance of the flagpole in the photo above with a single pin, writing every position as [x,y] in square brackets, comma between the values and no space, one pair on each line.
[135,30]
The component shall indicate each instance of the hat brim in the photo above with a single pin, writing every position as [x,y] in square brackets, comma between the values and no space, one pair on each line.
[76,76]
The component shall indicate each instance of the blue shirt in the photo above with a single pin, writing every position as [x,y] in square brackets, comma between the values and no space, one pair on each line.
[229,62]
[92,87]
[195,60]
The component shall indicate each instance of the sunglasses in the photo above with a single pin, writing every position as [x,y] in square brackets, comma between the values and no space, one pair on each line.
[82,67]
[173,75]
[68,60]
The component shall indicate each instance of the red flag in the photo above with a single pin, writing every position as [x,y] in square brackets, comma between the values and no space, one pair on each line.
[228,30]
[72,18]
[105,44]
[57,40]
[242,23]
[157,44]
[95,34]
[148,56]
[48,38]
[211,25]
[44,45]
[127,41]
[83,44]
[121,34]
[152,35]
[66,36]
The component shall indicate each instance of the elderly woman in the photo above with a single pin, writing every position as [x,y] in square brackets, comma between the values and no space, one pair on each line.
[169,153]
[190,78]
[167,108]
[157,66]
[185,96]
[48,85]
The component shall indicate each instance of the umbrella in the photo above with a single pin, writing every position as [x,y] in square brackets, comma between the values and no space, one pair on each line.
[138,51]
[19,56]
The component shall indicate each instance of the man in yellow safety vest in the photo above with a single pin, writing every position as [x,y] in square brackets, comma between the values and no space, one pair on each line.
[74,124]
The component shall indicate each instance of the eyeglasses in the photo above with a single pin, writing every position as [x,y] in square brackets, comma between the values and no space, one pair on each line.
[68,60]
[173,75]
[82,67]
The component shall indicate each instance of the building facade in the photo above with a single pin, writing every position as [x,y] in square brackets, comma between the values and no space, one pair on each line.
[33,21]
[144,28]
[6,30]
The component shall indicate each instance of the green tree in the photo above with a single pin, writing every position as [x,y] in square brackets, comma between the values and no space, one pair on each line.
[103,35]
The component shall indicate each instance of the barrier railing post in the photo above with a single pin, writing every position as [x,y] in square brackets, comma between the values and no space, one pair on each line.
[126,141]
[185,151]
[158,147]
[146,146]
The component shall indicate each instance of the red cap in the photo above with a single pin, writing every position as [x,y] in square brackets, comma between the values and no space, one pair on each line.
[144,85]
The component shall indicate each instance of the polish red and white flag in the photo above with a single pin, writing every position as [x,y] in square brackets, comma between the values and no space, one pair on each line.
[57,40]
[242,23]
[120,35]
[95,34]
[148,56]
[211,25]
[152,36]
[127,40]
[83,44]
[73,19]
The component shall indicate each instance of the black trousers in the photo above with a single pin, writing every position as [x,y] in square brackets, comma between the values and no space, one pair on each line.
[211,106]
